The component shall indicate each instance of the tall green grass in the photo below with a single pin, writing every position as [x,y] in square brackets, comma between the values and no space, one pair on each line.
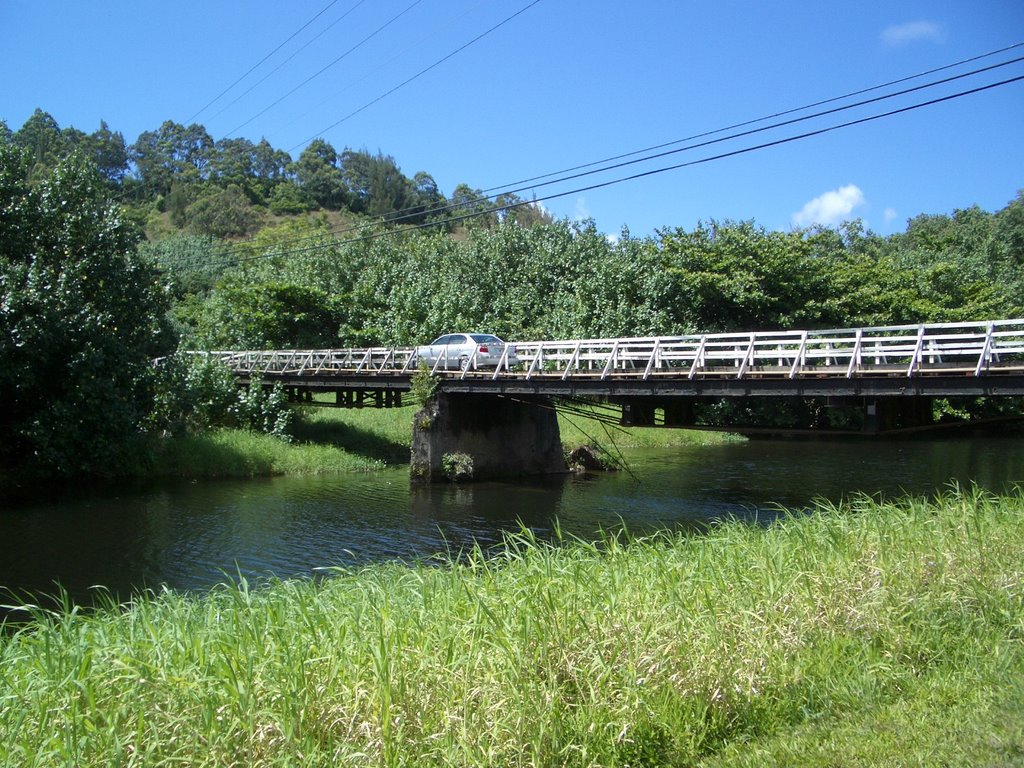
[788,645]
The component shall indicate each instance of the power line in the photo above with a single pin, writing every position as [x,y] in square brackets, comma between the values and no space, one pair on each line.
[258,63]
[317,74]
[766,117]
[295,53]
[399,55]
[418,74]
[417,211]
[634,177]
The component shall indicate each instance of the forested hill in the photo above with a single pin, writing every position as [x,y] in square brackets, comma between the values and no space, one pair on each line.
[324,264]
[177,178]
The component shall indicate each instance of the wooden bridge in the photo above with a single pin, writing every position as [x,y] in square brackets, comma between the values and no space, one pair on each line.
[936,359]
[503,416]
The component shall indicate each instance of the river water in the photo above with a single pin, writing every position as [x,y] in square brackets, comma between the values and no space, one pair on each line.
[194,535]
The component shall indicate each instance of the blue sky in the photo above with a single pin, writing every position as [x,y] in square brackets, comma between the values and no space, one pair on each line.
[564,83]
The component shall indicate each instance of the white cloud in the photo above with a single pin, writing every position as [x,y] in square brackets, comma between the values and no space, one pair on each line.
[542,209]
[830,208]
[581,212]
[912,32]
[890,215]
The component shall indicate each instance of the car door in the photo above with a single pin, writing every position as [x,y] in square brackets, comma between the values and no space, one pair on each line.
[457,346]
[439,350]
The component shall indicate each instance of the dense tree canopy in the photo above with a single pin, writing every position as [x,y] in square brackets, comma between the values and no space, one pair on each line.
[80,320]
[567,280]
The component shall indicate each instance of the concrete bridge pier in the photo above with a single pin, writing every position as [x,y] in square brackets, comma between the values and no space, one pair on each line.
[480,437]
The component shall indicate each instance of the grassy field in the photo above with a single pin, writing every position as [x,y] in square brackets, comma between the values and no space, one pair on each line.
[330,440]
[863,635]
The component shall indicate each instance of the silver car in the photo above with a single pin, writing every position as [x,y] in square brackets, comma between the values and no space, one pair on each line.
[466,351]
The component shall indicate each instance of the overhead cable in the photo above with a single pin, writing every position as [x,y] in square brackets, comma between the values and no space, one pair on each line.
[418,75]
[319,72]
[261,61]
[766,117]
[294,53]
[418,211]
[633,177]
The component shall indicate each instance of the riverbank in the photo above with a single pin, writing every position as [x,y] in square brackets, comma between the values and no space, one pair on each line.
[865,634]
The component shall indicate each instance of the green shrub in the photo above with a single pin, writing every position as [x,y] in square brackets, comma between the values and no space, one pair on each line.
[197,392]
[457,467]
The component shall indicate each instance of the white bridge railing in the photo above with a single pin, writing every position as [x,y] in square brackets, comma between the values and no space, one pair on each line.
[969,349]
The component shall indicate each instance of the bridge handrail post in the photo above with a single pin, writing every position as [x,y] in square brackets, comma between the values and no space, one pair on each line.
[574,358]
[471,363]
[502,361]
[387,357]
[650,361]
[611,360]
[538,360]
[367,358]
[698,357]
[800,357]
[437,363]
[408,360]
[915,360]
[747,356]
[983,358]
[855,355]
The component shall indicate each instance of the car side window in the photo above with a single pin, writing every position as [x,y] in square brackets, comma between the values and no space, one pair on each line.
[443,341]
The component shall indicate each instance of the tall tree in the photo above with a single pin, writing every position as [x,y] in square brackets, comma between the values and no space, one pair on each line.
[428,199]
[376,185]
[319,176]
[42,137]
[232,162]
[467,201]
[171,153]
[223,213]
[734,276]
[108,153]
[270,167]
[80,320]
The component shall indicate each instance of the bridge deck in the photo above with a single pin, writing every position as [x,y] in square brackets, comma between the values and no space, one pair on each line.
[982,358]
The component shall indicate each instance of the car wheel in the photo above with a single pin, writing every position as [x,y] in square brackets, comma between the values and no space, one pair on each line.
[463,363]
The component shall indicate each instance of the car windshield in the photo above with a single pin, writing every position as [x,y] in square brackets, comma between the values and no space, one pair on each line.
[486,338]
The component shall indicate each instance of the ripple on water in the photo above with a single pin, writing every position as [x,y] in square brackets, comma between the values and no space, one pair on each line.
[194,535]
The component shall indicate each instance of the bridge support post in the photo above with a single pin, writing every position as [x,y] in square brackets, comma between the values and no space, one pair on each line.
[479,437]
[679,412]
[885,414]
[637,412]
